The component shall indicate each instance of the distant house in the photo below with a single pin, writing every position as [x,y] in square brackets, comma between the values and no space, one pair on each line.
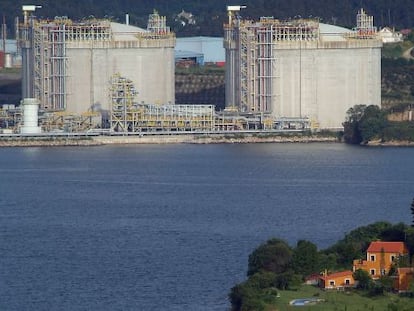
[337,280]
[312,279]
[380,257]
[185,18]
[390,36]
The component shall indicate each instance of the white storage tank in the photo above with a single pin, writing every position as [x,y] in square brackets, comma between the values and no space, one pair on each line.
[8,61]
[30,116]
[302,69]
[92,51]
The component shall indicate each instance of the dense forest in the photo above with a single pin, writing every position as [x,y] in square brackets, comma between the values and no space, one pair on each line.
[210,15]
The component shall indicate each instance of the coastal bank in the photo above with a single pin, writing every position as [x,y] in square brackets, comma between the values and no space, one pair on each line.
[228,138]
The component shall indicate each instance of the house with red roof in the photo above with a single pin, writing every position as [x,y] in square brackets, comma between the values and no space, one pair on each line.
[380,258]
[337,280]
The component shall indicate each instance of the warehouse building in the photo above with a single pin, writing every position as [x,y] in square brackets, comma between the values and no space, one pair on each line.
[301,69]
[210,47]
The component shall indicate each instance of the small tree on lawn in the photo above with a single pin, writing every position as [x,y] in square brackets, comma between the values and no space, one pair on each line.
[363,278]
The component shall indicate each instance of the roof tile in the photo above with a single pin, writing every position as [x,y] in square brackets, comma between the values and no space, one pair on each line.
[387,247]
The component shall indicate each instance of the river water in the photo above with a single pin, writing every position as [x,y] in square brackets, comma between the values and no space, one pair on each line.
[170,227]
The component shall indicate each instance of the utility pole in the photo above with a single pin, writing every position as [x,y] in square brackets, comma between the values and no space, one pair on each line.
[4,34]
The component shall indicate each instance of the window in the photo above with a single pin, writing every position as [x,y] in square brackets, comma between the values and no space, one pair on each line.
[372,257]
[332,283]
[392,258]
[382,271]
[372,271]
[347,282]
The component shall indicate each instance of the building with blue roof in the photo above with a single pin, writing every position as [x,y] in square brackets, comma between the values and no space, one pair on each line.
[211,47]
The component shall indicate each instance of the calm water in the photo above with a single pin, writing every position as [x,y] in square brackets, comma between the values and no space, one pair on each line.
[171,227]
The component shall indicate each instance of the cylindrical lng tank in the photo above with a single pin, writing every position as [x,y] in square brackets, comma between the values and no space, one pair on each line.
[8,61]
[30,116]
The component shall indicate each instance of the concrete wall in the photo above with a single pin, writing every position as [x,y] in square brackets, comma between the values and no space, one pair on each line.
[324,82]
[90,70]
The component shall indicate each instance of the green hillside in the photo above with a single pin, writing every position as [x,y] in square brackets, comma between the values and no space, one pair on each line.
[210,15]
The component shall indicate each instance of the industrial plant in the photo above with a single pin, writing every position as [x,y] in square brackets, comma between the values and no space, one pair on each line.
[296,74]
[301,69]
[68,66]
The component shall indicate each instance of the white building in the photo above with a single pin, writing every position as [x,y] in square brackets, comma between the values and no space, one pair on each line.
[390,36]
[211,47]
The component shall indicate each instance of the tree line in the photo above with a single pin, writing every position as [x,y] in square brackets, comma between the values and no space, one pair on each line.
[370,123]
[210,15]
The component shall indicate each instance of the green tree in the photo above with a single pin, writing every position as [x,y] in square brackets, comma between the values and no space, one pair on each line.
[364,123]
[363,278]
[254,293]
[402,261]
[288,280]
[261,280]
[352,134]
[409,240]
[376,289]
[412,213]
[394,233]
[305,260]
[328,261]
[274,256]
[387,282]
[243,297]
[372,123]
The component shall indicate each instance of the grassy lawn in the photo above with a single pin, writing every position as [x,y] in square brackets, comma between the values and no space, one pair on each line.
[343,301]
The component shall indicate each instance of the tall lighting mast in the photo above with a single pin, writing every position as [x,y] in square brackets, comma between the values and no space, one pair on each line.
[231,9]
[27,10]
[26,47]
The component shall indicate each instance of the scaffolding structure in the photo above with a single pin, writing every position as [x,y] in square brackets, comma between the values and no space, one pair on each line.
[50,63]
[254,46]
[66,122]
[45,44]
[122,95]
[365,25]
[160,118]
[156,28]
[88,30]
[152,117]
[265,59]
[129,116]
[10,119]
[157,24]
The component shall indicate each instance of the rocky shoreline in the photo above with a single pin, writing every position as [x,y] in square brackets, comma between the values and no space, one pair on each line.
[162,139]
[392,143]
[47,143]
[230,138]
